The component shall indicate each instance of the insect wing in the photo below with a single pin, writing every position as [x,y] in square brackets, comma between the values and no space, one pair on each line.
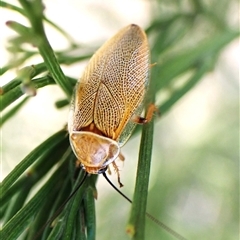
[113,85]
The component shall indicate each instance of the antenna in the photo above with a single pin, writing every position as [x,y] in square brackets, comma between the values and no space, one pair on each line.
[159,223]
[61,207]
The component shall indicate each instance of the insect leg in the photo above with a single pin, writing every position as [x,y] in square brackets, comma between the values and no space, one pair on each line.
[121,157]
[150,111]
[118,174]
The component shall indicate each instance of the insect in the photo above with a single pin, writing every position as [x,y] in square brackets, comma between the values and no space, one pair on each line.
[108,100]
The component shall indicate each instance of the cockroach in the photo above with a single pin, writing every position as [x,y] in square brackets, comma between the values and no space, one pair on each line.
[108,100]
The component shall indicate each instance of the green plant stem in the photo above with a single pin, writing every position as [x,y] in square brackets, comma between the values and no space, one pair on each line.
[34,12]
[136,224]
[12,7]
[54,67]
[17,92]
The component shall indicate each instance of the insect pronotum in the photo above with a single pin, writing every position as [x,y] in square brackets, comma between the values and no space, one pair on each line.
[108,100]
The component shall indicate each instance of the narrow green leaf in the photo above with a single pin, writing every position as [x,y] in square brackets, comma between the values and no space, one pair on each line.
[72,209]
[27,72]
[63,193]
[53,201]
[13,111]
[21,220]
[57,230]
[61,103]
[11,7]
[65,222]
[3,209]
[17,92]
[18,201]
[10,97]
[80,225]
[19,28]
[45,162]
[172,31]
[30,159]
[7,196]
[178,64]
[89,206]
[176,95]
[10,85]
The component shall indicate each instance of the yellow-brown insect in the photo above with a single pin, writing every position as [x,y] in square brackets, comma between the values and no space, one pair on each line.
[109,99]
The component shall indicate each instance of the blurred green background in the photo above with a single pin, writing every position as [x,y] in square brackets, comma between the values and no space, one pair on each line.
[194,184]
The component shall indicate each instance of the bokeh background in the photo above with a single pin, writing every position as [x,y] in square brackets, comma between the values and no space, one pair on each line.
[194,184]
